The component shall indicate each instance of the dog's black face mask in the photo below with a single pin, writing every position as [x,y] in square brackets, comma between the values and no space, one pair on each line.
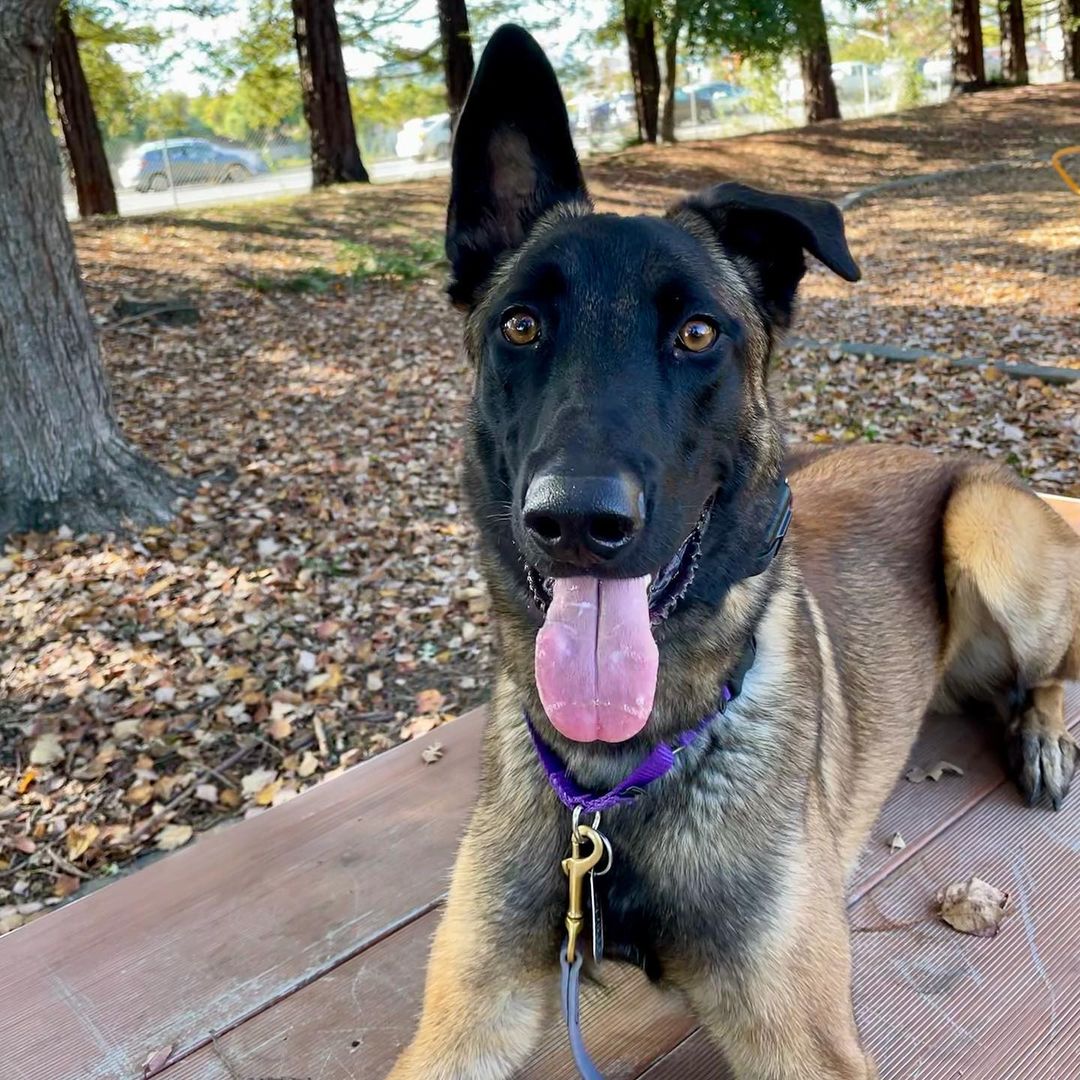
[623,457]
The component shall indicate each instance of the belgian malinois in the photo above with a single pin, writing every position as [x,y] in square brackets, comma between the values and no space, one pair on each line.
[628,476]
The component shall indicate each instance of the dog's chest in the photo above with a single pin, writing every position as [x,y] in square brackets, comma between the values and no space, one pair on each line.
[668,896]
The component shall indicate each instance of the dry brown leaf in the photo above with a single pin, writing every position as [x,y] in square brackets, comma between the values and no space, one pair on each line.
[26,780]
[156,1061]
[308,764]
[256,780]
[23,844]
[267,794]
[140,793]
[418,725]
[429,701]
[280,728]
[65,885]
[430,754]
[935,772]
[173,836]
[973,907]
[79,839]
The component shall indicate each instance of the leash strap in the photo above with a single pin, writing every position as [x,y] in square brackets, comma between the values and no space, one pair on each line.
[571,1003]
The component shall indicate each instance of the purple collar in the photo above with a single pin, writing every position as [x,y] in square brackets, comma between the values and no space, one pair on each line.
[659,763]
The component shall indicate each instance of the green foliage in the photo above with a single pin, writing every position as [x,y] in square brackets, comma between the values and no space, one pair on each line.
[912,85]
[360,262]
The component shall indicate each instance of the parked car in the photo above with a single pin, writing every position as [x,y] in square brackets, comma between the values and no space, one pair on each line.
[710,100]
[155,165]
[426,138]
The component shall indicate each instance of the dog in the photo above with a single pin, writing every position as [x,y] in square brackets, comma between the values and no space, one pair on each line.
[626,469]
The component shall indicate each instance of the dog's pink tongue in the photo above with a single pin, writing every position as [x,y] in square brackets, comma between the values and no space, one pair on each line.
[596,661]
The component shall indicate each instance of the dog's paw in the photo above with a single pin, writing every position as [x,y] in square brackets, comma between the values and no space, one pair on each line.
[1042,758]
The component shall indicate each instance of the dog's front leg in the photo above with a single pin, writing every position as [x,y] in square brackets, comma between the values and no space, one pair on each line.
[785,1013]
[491,987]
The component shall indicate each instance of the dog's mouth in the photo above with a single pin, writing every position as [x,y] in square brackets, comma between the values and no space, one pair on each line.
[596,659]
[666,587]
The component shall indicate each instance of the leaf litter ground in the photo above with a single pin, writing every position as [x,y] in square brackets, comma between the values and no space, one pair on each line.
[318,600]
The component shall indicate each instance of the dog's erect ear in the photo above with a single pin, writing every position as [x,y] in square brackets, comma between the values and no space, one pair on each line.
[513,159]
[773,231]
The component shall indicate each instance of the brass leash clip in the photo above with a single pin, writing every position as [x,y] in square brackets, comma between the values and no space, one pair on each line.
[576,868]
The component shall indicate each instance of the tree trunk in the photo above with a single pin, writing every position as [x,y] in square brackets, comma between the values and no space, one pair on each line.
[815,59]
[1070,28]
[335,157]
[456,53]
[1014,65]
[82,136]
[969,72]
[63,460]
[644,67]
[671,57]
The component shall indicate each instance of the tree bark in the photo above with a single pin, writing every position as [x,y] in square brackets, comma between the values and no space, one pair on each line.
[335,156]
[457,54]
[815,59]
[63,460]
[969,72]
[82,136]
[644,67]
[1070,28]
[671,59]
[1014,65]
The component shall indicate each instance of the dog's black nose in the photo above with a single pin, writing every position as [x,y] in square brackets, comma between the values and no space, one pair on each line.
[583,520]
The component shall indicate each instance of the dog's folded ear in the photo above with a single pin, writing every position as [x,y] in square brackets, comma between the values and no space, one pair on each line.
[513,159]
[773,231]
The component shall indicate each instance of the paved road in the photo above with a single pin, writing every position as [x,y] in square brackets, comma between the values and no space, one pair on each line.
[289,181]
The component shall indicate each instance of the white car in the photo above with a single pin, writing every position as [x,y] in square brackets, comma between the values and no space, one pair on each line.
[426,138]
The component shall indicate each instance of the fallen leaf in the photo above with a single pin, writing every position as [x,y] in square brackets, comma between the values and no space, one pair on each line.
[429,701]
[308,764]
[27,779]
[156,1061]
[140,793]
[267,794]
[430,754]
[23,844]
[65,885]
[417,726]
[207,793]
[173,836]
[256,780]
[280,728]
[935,772]
[79,839]
[973,907]
[46,749]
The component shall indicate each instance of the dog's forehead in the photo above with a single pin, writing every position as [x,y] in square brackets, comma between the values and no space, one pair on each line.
[613,254]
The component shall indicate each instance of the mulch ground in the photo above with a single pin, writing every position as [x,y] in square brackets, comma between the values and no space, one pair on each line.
[317,601]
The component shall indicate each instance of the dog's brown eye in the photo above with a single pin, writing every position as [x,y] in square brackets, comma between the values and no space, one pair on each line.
[697,335]
[520,328]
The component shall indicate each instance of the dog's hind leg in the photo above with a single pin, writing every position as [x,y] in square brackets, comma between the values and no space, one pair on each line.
[489,993]
[1012,571]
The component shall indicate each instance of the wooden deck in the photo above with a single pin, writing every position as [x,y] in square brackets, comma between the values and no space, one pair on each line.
[293,945]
